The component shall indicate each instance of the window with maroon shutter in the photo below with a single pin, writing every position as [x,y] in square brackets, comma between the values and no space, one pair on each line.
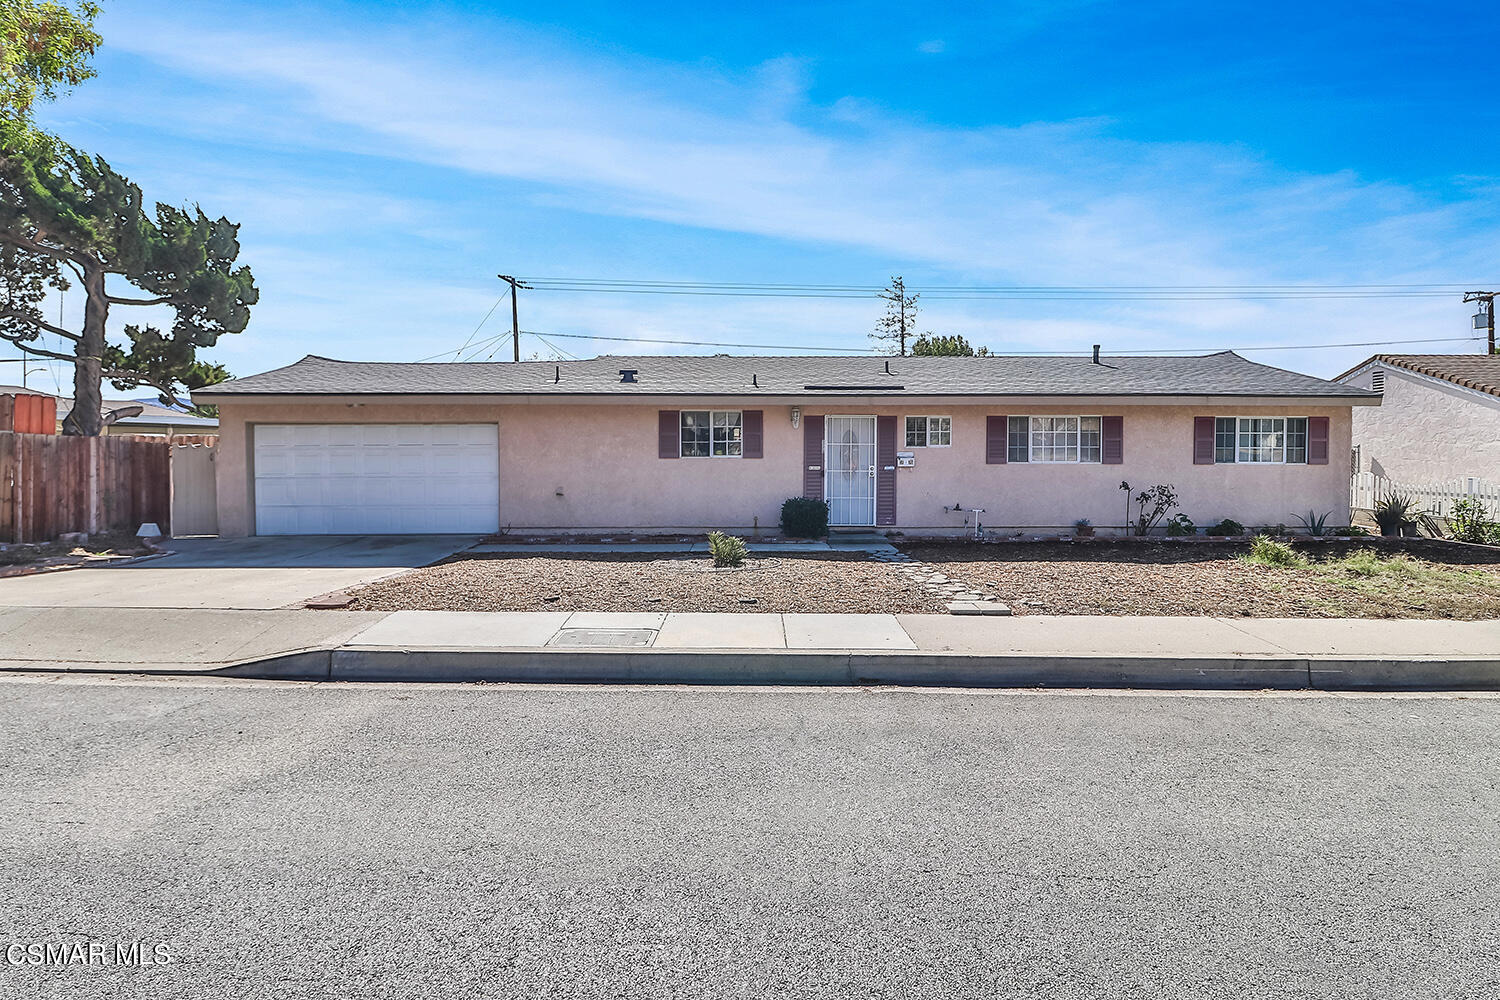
[1113,450]
[1203,440]
[753,425]
[996,431]
[1317,440]
[812,457]
[667,431]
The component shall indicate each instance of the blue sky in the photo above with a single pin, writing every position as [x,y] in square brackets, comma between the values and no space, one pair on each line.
[386,160]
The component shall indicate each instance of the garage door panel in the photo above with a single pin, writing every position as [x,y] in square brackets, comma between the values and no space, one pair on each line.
[376,478]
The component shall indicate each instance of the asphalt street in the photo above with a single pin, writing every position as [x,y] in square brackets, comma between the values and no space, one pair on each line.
[283,840]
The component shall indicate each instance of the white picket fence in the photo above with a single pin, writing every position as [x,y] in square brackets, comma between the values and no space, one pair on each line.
[1365,488]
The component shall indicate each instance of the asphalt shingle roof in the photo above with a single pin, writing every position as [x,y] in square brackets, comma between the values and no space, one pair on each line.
[1473,371]
[1221,374]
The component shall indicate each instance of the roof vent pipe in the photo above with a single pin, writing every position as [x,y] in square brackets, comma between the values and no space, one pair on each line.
[1096,354]
[628,374]
[557,375]
[888,368]
[755,380]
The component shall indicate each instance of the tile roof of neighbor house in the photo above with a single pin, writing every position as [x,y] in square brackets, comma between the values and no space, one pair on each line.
[1473,371]
[151,413]
[1221,374]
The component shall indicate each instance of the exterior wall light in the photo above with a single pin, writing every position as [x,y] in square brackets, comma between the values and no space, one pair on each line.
[796,416]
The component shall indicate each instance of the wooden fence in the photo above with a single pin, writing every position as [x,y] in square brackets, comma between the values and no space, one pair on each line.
[1434,498]
[50,484]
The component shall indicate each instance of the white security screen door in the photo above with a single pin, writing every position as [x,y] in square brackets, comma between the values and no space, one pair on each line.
[849,469]
[355,479]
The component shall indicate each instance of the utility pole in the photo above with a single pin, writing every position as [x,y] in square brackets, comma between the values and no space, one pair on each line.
[1485,317]
[515,316]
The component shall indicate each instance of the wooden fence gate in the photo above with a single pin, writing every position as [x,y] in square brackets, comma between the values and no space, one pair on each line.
[195,506]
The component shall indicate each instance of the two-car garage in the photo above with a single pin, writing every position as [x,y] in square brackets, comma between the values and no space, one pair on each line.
[345,479]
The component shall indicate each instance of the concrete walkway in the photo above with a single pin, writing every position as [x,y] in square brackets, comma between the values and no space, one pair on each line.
[1036,650]
[263,572]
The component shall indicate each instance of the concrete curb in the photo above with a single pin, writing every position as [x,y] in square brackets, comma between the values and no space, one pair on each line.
[843,667]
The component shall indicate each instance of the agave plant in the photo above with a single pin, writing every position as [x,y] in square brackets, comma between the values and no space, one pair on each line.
[1393,510]
[1314,523]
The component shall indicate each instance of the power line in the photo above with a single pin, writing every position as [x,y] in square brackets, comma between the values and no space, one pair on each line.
[983,292]
[1121,353]
[477,328]
[1142,352]
[555,348]
[479,346]
[697,343]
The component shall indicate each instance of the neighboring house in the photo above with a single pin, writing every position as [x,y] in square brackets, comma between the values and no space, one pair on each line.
[153,418]
[1438,421]
[685,443]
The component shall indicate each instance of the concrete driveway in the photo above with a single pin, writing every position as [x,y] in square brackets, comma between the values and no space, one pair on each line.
[235,573]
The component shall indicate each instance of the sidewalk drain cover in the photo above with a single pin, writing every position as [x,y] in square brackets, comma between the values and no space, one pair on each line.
[603,637]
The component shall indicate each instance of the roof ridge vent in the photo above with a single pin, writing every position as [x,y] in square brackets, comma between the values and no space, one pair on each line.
[628,375]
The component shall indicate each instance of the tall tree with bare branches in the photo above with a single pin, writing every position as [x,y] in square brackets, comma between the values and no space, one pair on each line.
[900,320]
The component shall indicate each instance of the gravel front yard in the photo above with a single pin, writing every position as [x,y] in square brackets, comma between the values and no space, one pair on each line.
[1104,578]
[825,582]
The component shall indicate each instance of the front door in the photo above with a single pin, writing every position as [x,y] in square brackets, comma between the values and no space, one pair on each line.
[849,469]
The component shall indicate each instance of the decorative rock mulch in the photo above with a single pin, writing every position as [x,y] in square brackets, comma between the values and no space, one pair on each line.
[957,597]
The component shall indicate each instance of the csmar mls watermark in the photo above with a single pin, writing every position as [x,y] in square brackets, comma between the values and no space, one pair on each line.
[55,954]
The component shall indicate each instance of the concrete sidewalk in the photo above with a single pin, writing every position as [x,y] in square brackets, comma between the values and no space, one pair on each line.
[1032,651]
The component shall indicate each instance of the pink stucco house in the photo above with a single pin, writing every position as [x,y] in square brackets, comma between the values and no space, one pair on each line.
[688,443]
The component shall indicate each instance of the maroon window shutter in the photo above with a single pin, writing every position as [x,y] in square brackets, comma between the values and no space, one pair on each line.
[812,457]
[753,427]
[1317,440]
[996,439]
[1112,444]
[1203,440]
[668,434]
[885,470]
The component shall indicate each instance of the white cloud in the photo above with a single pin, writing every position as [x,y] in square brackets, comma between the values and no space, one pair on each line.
[1049,203]
[932,47]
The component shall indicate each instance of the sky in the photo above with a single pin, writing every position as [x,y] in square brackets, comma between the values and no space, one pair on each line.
[387,160]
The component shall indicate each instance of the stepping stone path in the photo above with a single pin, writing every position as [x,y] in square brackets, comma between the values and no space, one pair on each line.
[959,597]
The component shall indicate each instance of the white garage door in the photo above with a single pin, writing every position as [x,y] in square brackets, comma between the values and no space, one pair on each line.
[355,479]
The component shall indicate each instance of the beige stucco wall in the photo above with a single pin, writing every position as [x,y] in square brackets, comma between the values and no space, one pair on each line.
[1426,430]
[575,466]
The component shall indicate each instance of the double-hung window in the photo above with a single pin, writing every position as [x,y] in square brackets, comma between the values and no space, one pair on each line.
[712,433]
[1064,439]
[1260,440]
[929,432]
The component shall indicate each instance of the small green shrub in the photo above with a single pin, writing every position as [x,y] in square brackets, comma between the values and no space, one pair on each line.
[1471,522]
[1228,526]
[727,550]
[1180,526]
[1267,551]
[804,517]
[1349,531]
